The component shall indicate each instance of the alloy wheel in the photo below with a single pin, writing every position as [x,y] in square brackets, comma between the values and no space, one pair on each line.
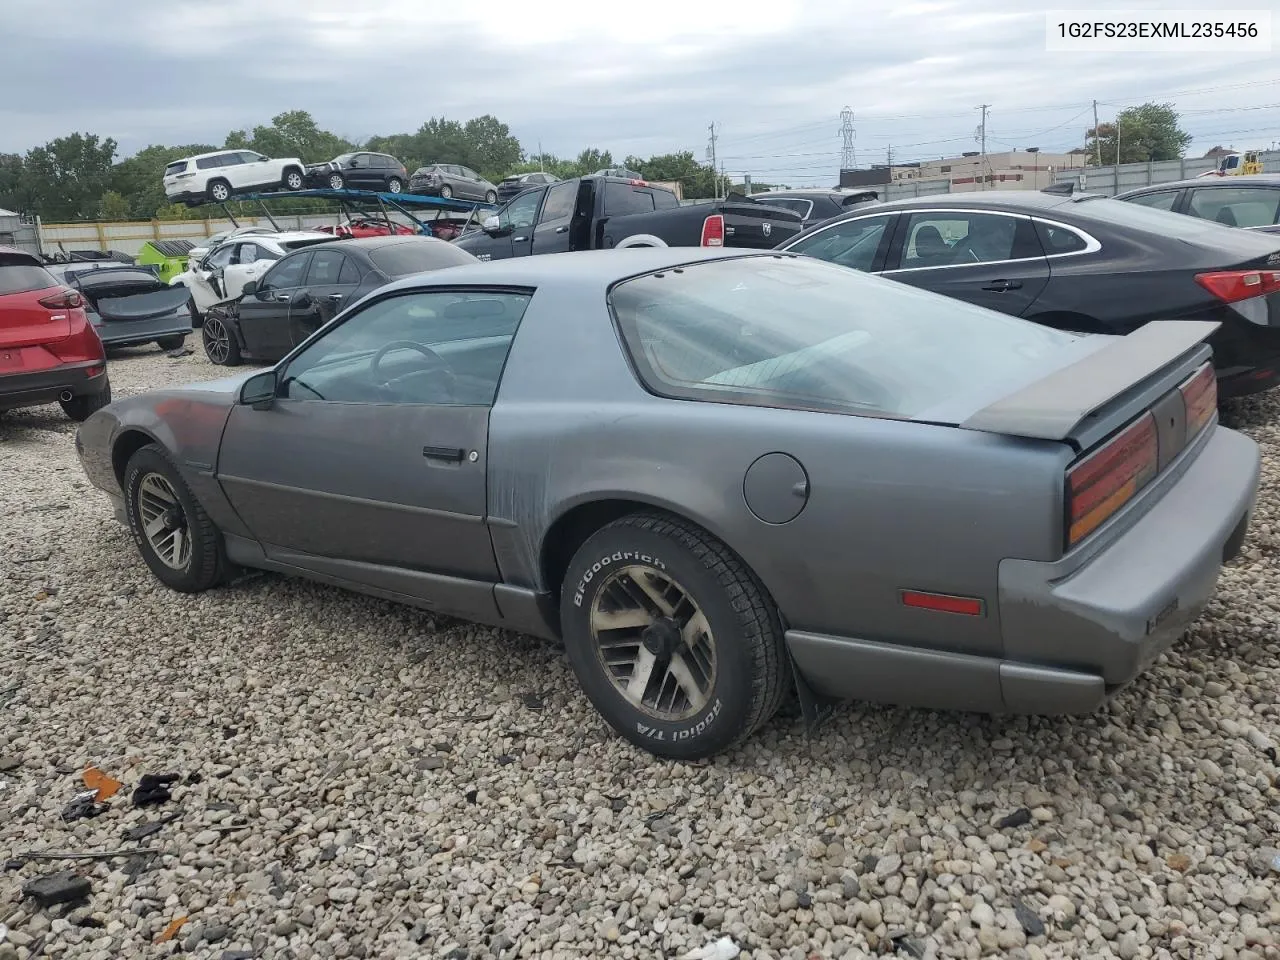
[164,522]
[217,339]
[654,642]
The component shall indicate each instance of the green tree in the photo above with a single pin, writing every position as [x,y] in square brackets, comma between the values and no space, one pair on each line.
[15,193]
[291,134]
[115,206]
[1148,132]
[68,176]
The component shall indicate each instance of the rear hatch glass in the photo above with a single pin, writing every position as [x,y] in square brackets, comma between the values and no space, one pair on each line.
[173,169]
[798,333]
[20,275]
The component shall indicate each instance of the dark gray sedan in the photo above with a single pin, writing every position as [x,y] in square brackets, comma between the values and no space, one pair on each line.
[718,476]
[452,180]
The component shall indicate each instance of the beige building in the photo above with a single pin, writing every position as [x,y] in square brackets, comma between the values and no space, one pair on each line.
[1011,170]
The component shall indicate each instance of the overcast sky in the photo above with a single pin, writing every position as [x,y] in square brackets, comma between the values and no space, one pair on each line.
[633,78]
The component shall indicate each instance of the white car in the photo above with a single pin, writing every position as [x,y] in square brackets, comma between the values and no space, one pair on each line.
[196,254]
[217,176]
[222,273]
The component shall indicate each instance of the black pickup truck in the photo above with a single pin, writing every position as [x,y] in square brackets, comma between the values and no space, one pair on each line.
[598,213]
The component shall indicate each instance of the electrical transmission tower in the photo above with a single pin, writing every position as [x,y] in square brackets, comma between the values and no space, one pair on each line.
[711,156]
[848,157]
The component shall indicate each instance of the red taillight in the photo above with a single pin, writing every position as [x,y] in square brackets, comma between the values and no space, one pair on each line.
[713,231]
[64,299]
[1103,482]
[1231,286]
[1200,398]
[638,183]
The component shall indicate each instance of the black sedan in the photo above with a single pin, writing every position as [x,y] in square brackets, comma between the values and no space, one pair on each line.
[815,206]
[1078,262]
[1251,202]
[308,287]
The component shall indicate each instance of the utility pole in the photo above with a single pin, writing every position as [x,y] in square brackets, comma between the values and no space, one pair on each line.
[540,170]
[889,161]
[982,138]
[848,156]
[1097,141]
[711,155]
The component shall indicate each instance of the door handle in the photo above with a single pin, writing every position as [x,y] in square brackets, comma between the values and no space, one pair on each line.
[1000,286]
[562,229]
[449,454]
[335,298]
[518,239]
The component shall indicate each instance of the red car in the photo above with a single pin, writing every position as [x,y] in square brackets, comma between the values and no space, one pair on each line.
[48,348]
[367,227]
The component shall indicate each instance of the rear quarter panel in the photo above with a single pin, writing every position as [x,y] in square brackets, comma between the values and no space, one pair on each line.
[892,505]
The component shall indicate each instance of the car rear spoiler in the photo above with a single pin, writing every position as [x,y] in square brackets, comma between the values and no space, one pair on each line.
[1054,406]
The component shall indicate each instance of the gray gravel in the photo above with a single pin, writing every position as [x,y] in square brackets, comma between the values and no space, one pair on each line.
[374,782]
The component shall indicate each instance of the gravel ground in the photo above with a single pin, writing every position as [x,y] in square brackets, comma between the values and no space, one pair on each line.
[362,780]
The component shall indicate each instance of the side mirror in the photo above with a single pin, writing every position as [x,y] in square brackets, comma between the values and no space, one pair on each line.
[250,289]
[491,225]
[259,390]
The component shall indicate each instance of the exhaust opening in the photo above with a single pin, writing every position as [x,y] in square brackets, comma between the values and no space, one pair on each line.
[65,396]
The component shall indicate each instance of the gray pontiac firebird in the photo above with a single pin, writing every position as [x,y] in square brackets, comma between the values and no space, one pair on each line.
[720,477]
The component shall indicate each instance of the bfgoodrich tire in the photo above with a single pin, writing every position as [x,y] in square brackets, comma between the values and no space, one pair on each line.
[175,536]
[672,638]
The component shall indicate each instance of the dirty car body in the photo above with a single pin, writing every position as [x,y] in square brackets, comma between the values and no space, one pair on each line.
[913,500]
[128,305]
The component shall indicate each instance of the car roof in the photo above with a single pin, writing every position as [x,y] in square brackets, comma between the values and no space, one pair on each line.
[373,243]
[13,253]
[1250,179]
[217,153]
[586,269]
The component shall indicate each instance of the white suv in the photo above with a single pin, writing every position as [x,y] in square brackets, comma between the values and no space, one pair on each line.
[217,176]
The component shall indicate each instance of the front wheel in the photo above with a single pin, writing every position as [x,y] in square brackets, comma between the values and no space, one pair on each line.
[82,407]
[175,536]
[220,344]
[672,638]
[336,181]
[292,180]
[490,197]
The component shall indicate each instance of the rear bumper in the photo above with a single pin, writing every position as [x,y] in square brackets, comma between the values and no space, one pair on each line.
[124,333]
[1246,356]
[46,386]
[1077,630]
[425,189]
[184,196]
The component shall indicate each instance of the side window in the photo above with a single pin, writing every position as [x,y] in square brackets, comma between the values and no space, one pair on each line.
[248,253]
[852,243]
[621,199]
[559,205]
[520,212]
[1237,206]
[960,238]
[325,267]
[1160,201]
[286,274]
[220,258]
[208,163]
[450,349]
[1057,240]
[469,173]
[350,273]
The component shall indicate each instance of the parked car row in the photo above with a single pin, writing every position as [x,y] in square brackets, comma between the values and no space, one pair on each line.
[1081,263]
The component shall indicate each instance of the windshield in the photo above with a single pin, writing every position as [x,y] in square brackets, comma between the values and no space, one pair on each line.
[803,334]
